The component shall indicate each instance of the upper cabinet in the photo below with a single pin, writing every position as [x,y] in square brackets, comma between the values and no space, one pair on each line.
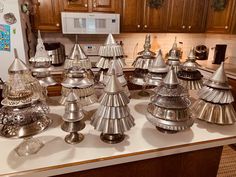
[138,16]
[91,5]
[186,15]
[220,21]
[46,15]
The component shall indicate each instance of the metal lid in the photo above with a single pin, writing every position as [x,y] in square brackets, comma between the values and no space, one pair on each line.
[159,65]
[116,67]
[219,79]
[113,85]
[171,78]
[174,53]
[17,65]
[77,53]
[190,64]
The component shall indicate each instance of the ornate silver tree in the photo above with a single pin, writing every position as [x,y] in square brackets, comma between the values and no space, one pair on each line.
[141,64]
[169,108]
[157,71]
[23,114]
[77,78]
[41,65]
[215,100]
[113,117]
[73,120]
[78,58]
[188,75]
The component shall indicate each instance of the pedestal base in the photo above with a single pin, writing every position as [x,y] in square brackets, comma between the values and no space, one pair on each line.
[166,131]
[29,146]
[74,138]
[112,138]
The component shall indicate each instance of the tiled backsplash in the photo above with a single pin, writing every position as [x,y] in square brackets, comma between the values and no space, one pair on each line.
[133,42]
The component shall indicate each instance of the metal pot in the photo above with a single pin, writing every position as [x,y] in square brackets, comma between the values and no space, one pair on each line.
[57,52]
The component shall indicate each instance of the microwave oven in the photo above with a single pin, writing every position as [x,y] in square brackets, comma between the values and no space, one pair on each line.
[90,23]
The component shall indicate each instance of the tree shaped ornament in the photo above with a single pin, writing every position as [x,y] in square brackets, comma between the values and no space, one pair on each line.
[113,117]
[169,108]
[174,56]
[73,120]
[141,64]
[215,100]
[188,75]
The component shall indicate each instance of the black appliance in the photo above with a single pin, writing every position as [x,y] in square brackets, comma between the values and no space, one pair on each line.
[219,54]
[201,52]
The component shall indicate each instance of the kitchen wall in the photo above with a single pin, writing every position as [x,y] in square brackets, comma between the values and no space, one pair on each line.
[133,42]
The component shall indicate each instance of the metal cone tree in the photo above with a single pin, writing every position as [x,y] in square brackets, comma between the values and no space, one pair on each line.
[113,116]
[174,57]
[73,120]
[215,100]
[169,108]
[188,75]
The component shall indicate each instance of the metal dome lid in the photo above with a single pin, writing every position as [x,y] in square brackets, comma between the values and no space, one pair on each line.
[219,79]
[159,65]
[190,64]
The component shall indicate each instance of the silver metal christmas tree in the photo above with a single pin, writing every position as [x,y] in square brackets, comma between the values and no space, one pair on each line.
[188,75]
[215,100]
[174,56]
[23,114]
[141,64]
[119,74]
[73,120]
[77,78]
[169,108]
[157,70]
[78,58]
[113,117]
[41,64]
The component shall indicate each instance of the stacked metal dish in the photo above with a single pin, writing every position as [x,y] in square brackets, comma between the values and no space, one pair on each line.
[119,74]
[73,120]
[215,100]
[77,78]
[41,64]
[23,114]
[78,58]
[169,108]
[109,50]
[113,117]
[157,71]
[188,75]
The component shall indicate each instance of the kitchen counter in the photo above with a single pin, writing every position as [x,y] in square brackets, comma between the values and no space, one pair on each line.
[142,142]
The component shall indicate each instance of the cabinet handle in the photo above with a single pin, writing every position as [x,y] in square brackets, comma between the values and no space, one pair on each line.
[145,26]
[226,27]
[57,24]
[85,5]
[183,26]
[138,26]
[94,4]
[189,27]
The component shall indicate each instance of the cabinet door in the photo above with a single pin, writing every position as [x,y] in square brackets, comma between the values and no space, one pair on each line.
[105,5]
[132,13]
[175,17]
[76,5]
[197,14]
[46,15]
[154,19]
[220,21]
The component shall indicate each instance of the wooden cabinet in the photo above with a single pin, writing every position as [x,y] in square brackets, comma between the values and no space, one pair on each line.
[91,5]
[137,16]
[186,15]
[220,21]
[75,5]
[46,15]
